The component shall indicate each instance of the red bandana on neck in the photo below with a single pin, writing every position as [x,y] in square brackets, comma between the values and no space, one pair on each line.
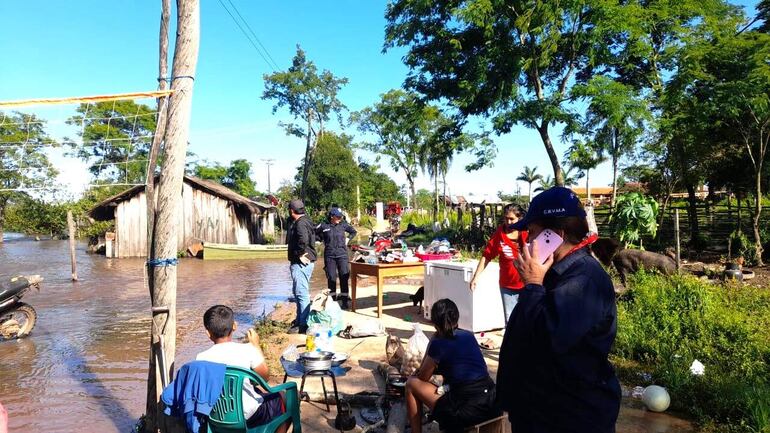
[588,240]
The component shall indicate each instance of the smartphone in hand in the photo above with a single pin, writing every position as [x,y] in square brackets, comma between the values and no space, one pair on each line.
[547,242]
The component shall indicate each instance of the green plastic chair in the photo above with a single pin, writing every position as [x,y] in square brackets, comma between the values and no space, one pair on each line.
[227,414]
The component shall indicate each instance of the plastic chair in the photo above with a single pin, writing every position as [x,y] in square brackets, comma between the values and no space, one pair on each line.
[227,414]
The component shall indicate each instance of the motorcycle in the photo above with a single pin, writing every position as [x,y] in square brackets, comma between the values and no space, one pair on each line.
[17,319]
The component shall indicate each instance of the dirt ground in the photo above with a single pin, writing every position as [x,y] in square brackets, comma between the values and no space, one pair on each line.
[398,318]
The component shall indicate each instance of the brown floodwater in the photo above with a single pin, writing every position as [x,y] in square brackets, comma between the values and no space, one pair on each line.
[84,367]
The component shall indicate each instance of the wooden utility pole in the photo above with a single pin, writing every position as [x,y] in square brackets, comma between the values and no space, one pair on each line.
[358,204]
[163,331]
[73,233]
[153,371]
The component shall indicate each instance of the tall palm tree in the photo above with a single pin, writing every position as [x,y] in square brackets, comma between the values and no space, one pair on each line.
[530,176]
[547,183]
[570,178]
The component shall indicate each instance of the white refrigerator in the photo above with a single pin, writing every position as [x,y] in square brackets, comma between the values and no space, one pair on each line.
[480,310]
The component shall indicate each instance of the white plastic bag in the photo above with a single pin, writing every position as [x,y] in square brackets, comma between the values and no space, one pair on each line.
[367,328]
[415,351]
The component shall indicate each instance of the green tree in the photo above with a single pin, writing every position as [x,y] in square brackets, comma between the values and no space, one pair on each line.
[514,60]
[35,216]
[400,125]
[24,163]
[310,97]
[731,102]
[376,186]
[584,156]
[529,175]
[545,183]
[334,175]
[116,137]
[614,119]
[423,199]
[237,176]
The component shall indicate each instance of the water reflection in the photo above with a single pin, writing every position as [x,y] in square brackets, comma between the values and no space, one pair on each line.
[86,360]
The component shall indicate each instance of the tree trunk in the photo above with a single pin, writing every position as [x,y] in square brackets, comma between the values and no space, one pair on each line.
[443,179]
[558,175]
[411,188]
[163,328]
[306,166]
[662,214]
[692,215]
[529,193]
[738,224]
[757,212]
[435,194]
[614,169]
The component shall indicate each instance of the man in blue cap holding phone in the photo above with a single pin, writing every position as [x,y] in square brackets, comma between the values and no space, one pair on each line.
[554,373]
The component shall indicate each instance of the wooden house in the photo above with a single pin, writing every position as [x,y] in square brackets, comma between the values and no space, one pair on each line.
[209,212]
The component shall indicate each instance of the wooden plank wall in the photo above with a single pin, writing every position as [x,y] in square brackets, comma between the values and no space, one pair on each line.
[202,216]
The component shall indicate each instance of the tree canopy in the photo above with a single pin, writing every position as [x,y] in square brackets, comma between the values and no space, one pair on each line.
[237,176]
[310,97]
[116,137]
[24,160]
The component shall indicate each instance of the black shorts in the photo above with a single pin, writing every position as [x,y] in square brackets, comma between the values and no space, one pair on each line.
[466,405]
[271,408]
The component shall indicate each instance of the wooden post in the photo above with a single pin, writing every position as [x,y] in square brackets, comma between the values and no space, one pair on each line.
[676,239]
[73,235]
[358,204]
[163,329]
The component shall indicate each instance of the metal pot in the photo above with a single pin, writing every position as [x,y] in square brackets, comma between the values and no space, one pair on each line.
[733,274]
[318,360]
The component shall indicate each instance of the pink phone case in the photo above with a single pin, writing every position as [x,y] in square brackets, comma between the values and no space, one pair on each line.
[547,243]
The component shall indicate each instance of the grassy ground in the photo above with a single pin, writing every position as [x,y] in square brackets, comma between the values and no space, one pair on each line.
[666,323]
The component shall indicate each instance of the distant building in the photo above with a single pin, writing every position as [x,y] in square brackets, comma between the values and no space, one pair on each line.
[210,213]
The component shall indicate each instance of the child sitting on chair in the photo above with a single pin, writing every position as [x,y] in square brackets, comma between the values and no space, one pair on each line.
[258,409]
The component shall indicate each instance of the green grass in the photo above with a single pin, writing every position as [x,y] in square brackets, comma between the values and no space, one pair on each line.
[665,323]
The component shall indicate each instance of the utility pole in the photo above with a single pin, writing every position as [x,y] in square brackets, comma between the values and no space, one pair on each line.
[163,259]
[268,162]
[153,371]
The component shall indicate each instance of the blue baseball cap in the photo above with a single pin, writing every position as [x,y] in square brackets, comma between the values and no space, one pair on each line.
[555,202]
[335,212]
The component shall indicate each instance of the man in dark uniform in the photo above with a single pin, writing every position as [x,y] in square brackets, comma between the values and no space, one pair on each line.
[302,257]
[554,375]
[336,259]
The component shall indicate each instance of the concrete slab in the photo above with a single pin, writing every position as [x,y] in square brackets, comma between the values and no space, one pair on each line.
[399,317]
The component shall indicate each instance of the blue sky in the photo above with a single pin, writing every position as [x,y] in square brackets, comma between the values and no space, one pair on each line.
[87,47]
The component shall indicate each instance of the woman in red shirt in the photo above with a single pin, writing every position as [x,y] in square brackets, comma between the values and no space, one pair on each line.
[505,243]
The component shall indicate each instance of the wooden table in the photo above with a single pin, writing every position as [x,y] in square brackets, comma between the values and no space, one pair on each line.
[380,271]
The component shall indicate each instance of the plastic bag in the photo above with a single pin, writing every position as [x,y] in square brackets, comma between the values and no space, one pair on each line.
[415,351]
[291,353]
[326,312]
[368,328]
[394,351]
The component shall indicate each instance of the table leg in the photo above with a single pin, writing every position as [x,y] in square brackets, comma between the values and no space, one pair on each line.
[353,286]
[380,287]
[326,399]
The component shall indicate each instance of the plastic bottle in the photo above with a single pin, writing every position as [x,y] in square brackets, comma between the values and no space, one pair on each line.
[310,340]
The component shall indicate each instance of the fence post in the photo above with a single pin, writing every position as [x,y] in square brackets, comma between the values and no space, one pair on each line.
[73,234]
[676,239]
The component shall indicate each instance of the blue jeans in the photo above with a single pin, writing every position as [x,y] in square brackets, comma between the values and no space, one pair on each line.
[300,287]
[510,299]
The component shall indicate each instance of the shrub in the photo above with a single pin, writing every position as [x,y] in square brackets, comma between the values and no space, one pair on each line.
[665,323]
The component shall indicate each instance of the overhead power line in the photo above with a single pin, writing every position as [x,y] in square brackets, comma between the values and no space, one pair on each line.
[250,37]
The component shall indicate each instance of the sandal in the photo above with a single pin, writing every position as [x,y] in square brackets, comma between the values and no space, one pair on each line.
[488,344]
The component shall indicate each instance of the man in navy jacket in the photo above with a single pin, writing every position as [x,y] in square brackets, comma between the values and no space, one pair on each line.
[554,375]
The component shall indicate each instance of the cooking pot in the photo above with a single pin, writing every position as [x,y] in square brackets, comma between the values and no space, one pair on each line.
[318,360]
[733,272]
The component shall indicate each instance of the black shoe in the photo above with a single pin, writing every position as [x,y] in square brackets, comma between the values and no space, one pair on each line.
[297,330]
[345,304]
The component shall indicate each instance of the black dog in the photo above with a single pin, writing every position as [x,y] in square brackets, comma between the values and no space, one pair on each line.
[418,297]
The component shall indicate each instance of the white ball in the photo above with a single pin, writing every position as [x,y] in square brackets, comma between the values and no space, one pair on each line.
[656,398]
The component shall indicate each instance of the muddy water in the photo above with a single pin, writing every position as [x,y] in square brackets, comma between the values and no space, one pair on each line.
[84,368]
